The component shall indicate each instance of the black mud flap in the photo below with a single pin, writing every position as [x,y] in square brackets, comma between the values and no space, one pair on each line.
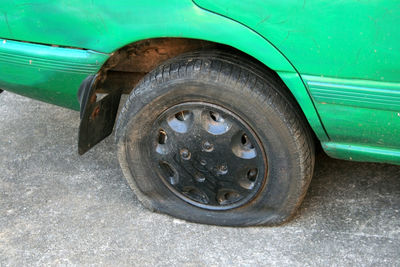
[1,91]
[98,114]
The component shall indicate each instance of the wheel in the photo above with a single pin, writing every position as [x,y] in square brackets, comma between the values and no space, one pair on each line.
[214,138]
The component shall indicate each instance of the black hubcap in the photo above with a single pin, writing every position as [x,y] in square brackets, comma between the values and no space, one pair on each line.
[207,156]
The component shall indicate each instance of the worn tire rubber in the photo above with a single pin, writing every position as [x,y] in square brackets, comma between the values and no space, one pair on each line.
[249,90]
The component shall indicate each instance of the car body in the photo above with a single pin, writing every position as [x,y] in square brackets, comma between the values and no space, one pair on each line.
[339,59]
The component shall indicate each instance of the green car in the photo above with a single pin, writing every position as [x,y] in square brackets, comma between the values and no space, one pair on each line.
[227,99]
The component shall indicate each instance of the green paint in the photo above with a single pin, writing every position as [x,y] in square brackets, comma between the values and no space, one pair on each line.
[113,24]
[358,112]
[361,153]
[47,73]
[338,57]
[357,93]
[356,44]
[342,39]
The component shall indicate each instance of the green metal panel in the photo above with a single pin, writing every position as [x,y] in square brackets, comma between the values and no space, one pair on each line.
[357,93]
[347,52]
[108,25]
[357,152]
[358,111]
[341,38]
[47,73]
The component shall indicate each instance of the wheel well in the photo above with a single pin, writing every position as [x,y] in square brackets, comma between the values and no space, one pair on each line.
[100,94]
[128,65]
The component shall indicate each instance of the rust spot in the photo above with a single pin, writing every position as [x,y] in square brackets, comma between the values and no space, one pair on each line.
[134,61]
[95,113]
[144,56]
[93,98]
[127,66]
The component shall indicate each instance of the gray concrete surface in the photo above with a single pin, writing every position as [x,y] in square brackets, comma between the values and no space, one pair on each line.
[57,208]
